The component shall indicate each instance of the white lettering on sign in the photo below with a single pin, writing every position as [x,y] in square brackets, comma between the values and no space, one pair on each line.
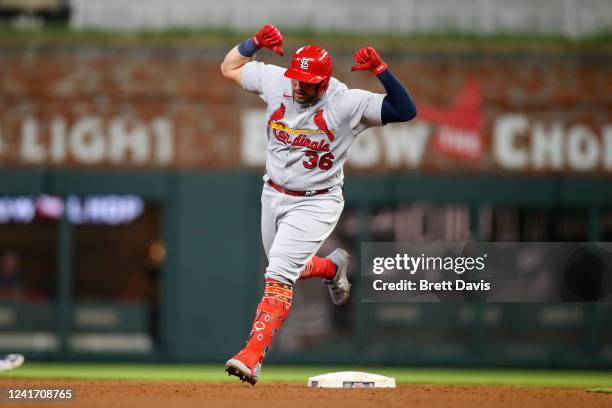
[58,140]
[109,209]
[405,144]
[463,142]
[506,131]
[519,144]
[582,148]
[91,140]
[128,140]
[17,209]
[87,142]
[95,209]
[254,144]
[32,150]
[163,141]
[547,152]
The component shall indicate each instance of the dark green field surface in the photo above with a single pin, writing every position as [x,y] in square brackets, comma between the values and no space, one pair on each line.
[290,374]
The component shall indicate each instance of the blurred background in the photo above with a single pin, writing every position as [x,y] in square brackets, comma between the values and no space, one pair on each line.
[130,176]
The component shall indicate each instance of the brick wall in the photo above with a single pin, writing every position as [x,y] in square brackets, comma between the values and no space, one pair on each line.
[170,107]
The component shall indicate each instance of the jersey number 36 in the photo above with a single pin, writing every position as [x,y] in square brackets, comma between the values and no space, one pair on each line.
[325,162]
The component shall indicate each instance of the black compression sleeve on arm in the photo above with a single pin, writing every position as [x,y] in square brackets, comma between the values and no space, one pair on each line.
[398,105]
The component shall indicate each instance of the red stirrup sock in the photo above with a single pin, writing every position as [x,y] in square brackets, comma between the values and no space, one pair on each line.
[320,267]
[271,313]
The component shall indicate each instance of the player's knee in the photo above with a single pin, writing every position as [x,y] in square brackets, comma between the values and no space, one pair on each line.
[283,269]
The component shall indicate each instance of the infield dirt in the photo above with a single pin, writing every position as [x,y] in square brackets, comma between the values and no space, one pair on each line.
[152,394]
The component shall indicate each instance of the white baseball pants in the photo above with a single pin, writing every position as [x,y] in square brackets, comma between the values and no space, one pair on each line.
[294,228]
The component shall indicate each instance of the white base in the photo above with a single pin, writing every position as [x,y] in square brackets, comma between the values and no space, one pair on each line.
[351,379]
[11,361]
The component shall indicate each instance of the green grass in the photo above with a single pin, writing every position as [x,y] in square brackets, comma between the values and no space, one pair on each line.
[600,43]
[271,373]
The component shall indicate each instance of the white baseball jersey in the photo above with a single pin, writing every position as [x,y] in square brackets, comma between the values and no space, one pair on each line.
[307,146]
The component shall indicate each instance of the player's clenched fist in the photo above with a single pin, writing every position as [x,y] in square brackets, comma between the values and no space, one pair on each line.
[270,37]
[368,59]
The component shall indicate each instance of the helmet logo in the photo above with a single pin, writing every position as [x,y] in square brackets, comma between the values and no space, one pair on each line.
[304,63]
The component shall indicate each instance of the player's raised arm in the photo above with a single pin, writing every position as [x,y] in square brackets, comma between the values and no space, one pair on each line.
[397,106]
[268,37]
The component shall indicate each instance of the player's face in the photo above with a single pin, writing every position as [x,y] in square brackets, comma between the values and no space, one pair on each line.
[303,92]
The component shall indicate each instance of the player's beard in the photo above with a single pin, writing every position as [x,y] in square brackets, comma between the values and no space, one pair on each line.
[307,102]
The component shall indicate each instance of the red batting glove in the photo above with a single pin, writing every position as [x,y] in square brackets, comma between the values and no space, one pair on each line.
[368,58]
[270,37]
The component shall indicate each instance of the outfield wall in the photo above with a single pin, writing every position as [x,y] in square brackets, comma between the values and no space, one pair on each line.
[212,275]
[161,107]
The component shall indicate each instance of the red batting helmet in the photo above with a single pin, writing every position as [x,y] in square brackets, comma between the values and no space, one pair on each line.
[311,64]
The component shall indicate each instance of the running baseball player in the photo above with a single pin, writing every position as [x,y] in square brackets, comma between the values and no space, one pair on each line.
[312,121]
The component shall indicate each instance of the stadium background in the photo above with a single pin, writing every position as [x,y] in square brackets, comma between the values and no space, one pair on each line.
[131,173]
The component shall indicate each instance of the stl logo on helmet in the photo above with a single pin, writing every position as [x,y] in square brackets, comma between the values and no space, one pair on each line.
[304,63]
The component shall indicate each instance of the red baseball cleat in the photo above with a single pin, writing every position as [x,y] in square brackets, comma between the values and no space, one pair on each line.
[245,365]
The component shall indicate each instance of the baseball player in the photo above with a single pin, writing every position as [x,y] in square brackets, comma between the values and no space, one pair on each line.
[312,121]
